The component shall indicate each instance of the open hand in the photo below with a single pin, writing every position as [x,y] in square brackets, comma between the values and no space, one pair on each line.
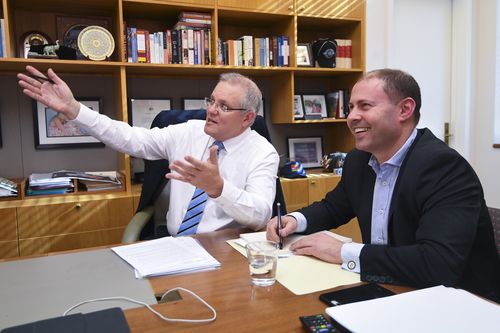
[204,175]
[55,95]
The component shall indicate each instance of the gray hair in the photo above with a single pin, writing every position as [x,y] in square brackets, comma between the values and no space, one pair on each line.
[252,97]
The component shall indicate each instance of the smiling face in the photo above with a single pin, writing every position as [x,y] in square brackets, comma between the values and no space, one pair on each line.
[226,125]
[379,125]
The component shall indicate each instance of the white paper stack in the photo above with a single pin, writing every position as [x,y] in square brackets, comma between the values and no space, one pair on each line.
[167,255]
[436,309]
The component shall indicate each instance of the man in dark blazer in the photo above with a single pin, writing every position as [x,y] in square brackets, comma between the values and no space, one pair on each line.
[419,204]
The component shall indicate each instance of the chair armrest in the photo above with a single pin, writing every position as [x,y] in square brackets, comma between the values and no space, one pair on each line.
[136,224]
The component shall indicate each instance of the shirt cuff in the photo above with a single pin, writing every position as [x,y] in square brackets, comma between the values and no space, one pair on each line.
[86,116]
[350,256]
[301,221]
[228,195]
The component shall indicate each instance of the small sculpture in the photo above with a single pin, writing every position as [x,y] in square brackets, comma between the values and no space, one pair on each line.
[50,50]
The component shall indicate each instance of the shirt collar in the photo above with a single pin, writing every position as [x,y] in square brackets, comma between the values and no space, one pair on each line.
[229,144]
[398,158]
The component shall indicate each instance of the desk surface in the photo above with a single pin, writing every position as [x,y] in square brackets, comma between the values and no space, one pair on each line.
[241,307]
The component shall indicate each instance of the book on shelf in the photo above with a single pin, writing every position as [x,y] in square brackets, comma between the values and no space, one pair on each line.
[45,184]
[8,188]
[110,177]
[344,53]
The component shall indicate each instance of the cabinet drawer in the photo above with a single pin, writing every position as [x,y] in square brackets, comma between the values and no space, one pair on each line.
[8,224]
[9,249]
[40,245]
[319,186]
[295,192]
[331,9]
[67,218]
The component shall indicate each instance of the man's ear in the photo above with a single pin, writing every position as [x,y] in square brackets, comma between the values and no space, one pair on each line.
[408,105]
[249,118]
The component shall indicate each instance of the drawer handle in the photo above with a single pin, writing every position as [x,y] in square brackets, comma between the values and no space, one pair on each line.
[78,206]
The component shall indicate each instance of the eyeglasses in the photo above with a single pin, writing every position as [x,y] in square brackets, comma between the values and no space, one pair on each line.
[219,107]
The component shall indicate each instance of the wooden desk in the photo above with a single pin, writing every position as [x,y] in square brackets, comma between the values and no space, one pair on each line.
[240,306]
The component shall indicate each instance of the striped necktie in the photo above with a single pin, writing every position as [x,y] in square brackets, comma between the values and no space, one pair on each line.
[196,206]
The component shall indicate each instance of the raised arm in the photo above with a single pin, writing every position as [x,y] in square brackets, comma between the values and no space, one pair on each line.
[53,92]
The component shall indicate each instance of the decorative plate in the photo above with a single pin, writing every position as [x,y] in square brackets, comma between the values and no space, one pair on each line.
[96,43]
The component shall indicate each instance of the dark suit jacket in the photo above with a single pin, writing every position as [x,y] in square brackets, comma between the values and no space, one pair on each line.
[439,228]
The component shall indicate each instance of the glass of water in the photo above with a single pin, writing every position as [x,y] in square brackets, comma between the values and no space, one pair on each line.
[262,261]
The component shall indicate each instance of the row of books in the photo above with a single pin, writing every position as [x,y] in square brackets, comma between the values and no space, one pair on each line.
[2,39]
[344,53]
[254,51]
[337,104]
[61,182]
[188,42]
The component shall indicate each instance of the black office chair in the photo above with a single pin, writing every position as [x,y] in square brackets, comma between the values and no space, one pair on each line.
[495,220]
[155,188]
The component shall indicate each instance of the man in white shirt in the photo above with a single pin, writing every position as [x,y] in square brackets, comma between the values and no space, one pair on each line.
[240,179]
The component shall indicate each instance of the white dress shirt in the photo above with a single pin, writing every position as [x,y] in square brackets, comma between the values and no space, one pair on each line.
[248,164]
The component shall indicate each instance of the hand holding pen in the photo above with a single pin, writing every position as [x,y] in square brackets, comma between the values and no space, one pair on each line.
[280,226]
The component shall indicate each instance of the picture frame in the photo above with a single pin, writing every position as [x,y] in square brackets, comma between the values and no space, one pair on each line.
[304,55]
[69,27]
[142,111]
[193,103]
[52,130]
[298,107]
[314,106]
[308,151]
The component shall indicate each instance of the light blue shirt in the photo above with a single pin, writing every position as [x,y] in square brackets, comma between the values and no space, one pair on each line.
[386,176]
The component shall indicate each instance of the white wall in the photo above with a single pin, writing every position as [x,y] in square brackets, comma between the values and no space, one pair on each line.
[484,158]
[415,36]
[470,69]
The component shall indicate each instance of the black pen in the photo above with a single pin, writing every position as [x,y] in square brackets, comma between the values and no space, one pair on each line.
[36,77]
[280,226]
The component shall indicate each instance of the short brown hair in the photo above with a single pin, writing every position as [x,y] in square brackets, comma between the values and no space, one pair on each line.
[398,85]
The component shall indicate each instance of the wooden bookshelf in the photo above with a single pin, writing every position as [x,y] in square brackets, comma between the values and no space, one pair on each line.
[301,20]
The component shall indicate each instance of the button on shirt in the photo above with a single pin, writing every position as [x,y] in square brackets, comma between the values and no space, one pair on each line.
[385,181]
[386,176]
[248,164]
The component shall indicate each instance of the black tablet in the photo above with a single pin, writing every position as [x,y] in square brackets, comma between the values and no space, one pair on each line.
[355,294]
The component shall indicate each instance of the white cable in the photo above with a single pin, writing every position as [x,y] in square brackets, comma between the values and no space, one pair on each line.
[153,310]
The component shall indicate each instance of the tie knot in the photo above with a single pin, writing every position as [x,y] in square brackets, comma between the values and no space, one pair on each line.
[219,145]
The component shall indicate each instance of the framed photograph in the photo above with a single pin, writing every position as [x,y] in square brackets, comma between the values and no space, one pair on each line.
[304,55]
[298,107]
[314,106]
[142,111]
[53,130]
[308,151]
[193,103]
[69,27]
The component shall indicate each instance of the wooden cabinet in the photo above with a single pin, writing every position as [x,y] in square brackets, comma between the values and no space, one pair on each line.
[267,6]
[88,222]
[332,9]
[60,225]
[8,233]
[302,192]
